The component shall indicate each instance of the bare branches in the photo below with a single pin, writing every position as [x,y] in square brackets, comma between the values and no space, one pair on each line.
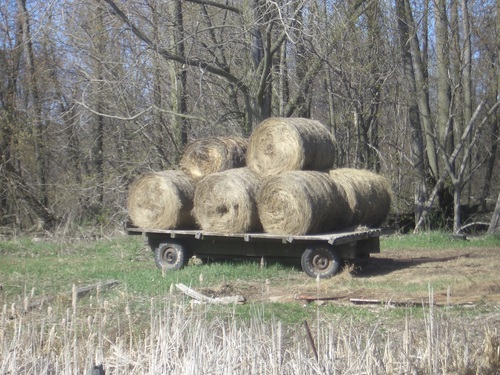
[170,56]
[217,5]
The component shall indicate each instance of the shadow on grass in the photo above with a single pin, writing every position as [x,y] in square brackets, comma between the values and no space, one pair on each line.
[384,266]
[374,266]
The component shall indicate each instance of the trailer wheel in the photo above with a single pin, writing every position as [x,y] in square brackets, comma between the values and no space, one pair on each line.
[171,256]
[320,261]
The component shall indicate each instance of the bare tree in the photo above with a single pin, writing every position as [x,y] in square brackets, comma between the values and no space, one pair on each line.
[413,115]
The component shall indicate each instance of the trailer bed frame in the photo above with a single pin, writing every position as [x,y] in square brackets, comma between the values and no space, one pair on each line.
[320,255]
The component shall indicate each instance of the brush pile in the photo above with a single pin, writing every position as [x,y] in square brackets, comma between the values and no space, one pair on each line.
[281,181]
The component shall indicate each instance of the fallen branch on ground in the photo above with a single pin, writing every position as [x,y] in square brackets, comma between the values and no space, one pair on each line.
[216,301]
[361,301]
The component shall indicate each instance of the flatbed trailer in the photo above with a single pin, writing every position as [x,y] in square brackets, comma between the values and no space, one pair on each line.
[320,255]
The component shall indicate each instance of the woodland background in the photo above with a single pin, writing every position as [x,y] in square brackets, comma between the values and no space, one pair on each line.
[94,93]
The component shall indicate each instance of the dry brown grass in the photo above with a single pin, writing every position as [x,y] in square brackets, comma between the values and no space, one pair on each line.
[174,337]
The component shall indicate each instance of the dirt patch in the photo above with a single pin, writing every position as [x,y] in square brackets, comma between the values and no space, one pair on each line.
[457,277]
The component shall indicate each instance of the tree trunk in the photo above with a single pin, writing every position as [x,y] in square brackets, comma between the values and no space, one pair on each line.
[38,126]
[495,125]
[467,63]
[495,218]
[417,142]
[303,58]
[422,92]
[464,104]
[7,124]
[444,122]
[284,89]
[99,106]
[375,39]
[179,78]
[98,156]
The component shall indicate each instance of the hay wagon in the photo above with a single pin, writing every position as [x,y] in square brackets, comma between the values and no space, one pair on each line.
[320,255]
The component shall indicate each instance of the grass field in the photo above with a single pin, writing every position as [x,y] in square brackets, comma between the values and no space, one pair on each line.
[445,320]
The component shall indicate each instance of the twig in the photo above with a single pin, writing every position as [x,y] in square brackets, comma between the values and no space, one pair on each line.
[311,340]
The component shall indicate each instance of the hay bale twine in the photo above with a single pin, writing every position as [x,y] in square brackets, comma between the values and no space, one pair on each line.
[162,200]
[301,202]
[224,202]
[215,154]
[284,144]
[368,194]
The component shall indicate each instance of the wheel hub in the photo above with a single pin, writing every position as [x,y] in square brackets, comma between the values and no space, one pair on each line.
[320,262]
[169,256]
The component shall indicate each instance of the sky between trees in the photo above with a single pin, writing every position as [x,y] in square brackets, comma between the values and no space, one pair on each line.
[96,92]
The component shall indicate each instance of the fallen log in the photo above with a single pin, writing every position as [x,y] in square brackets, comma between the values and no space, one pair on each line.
[362,301]
[308,298]
[205,299]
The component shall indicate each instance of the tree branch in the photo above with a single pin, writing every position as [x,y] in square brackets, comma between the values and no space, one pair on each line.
[217,5]
[170,56]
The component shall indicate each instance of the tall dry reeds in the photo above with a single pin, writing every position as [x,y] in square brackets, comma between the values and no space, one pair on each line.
[170,337]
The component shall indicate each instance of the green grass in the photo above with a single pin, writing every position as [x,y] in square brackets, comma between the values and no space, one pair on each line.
[49,267]
[139,316]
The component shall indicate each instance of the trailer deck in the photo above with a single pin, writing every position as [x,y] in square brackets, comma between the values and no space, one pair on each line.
[320,255]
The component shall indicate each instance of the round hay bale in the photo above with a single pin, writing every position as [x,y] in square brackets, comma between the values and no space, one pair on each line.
[224,202]
[301,202]
[215,154]
[285,144]
[368,194]
[162,200]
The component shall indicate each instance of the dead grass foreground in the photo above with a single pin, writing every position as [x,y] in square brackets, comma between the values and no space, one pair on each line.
[175,337]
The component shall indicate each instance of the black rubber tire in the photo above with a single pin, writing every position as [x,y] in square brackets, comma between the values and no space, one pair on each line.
[171,256]
[320,261]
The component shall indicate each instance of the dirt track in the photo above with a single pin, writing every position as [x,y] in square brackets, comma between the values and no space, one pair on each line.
[467,276]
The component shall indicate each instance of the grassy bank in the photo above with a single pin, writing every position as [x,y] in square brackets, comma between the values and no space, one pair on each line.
[42,267]
[144,325]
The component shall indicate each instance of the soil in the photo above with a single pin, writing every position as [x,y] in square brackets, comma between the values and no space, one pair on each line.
[466,277]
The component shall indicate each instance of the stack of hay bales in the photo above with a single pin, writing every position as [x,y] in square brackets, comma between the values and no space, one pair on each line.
[302,193]
[164,200]
[281,181]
